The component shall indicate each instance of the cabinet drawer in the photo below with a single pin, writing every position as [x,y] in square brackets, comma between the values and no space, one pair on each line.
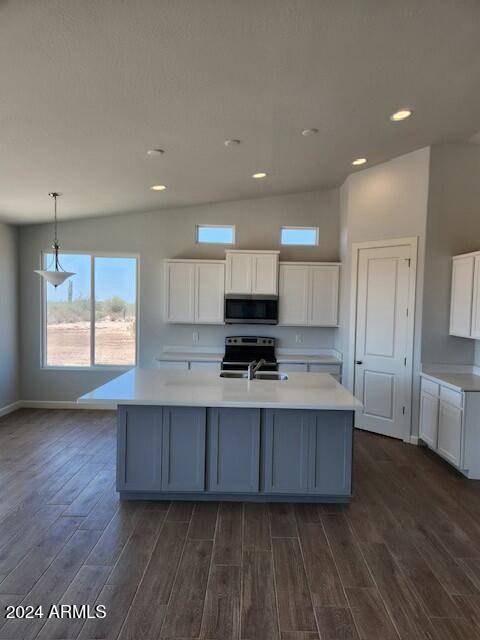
[454,398]
[430,387]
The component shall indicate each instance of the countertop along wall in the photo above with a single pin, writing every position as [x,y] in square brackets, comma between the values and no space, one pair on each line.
[169,233]
[9,339]
[453,227]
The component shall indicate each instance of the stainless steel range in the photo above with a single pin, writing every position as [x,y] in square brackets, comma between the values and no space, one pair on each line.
[240,351]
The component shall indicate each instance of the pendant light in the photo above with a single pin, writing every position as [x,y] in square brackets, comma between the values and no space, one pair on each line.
[56,275]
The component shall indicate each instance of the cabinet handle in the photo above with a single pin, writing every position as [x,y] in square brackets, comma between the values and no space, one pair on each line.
[358,361]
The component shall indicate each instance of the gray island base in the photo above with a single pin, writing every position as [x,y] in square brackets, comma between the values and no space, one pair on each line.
[218,453]
[191,435]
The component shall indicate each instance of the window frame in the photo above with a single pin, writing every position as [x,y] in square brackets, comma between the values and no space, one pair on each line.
[297,228]
[43,310]
[216,226]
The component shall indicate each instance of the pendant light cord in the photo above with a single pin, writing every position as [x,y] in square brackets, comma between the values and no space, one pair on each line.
[55,247]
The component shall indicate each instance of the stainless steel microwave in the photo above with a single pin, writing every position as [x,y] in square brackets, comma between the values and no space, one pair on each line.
[249,309]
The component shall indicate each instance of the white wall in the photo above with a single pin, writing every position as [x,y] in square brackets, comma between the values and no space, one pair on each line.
[169,234]
[9,344]
[453,227]
[387,201]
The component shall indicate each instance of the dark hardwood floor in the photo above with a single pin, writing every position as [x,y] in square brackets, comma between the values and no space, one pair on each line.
[401,561]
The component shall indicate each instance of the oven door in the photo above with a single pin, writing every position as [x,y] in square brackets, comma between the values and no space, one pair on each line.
[251,309]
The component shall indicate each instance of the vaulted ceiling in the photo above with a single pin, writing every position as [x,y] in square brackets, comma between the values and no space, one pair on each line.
[87,86]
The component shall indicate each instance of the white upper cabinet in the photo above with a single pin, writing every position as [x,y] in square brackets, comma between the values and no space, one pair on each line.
[463,311]
[293,294]
[180,292]
[475,330]
[252,272]
[324,286]
[308,294]
[194,291]
[210,287]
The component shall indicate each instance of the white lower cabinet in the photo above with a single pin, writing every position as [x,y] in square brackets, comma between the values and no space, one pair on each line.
[449,443]
[446,425]
[195,365]
[293,367]
[429,419]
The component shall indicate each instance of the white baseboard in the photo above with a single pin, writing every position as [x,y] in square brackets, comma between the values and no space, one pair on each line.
[9,408]
[413,440]
[52,404]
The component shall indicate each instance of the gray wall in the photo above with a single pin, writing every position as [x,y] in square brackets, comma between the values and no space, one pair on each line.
[9,342]
[453,227]
[387,201]
[168,234]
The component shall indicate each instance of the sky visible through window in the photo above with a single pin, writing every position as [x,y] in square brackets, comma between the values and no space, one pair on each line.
[113,275]
[299,236]
[217,235]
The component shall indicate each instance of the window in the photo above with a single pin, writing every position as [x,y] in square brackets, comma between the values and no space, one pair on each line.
[215,234]
[91,319]
[304,236]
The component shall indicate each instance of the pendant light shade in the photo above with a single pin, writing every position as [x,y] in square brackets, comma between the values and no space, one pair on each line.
[57,275]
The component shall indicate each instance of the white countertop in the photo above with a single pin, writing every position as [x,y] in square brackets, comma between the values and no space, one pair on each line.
[207,389]
[215,356]
[458,381]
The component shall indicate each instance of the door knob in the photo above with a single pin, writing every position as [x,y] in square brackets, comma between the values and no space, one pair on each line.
[358,361]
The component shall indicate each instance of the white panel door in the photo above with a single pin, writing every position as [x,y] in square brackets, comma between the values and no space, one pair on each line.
[239,273]
[323,303]
[475,332]
[293,295]
[461,298]
[180,292]
[382,380]
[265,273]
[429,419]
[450,432]
[210,287]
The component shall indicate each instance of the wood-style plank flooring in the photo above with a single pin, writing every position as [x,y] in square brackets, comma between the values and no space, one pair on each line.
[401,561]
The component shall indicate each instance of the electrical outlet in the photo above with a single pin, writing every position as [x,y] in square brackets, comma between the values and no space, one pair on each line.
[195,336]
[298,338]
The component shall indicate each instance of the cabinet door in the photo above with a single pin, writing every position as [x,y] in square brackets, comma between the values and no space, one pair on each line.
[265,273]
[461,297]
[183,459]
[180,292]
[139,448]
[323,305]
[331,453]
[238,277]
[286,451]
[210,288]
[450,433]
[475,332]
[429,419]
[293,295]
[234,450]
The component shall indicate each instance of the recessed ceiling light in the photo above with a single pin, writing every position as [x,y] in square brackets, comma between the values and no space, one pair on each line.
[259,175]
[359,161]
[155,152]
[309,132]
[232,143]
[158,187]
[401,114]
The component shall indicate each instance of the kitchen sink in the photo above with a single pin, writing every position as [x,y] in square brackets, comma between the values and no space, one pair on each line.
[233,374]
[260,375]
[270,375]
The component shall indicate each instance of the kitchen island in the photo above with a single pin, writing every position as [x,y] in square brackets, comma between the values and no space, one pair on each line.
[193,435]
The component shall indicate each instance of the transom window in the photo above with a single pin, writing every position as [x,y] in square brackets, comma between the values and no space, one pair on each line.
[91,319]
[301,236]
[215,234]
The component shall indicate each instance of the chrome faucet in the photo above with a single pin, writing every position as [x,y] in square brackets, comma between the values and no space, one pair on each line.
[253,367]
